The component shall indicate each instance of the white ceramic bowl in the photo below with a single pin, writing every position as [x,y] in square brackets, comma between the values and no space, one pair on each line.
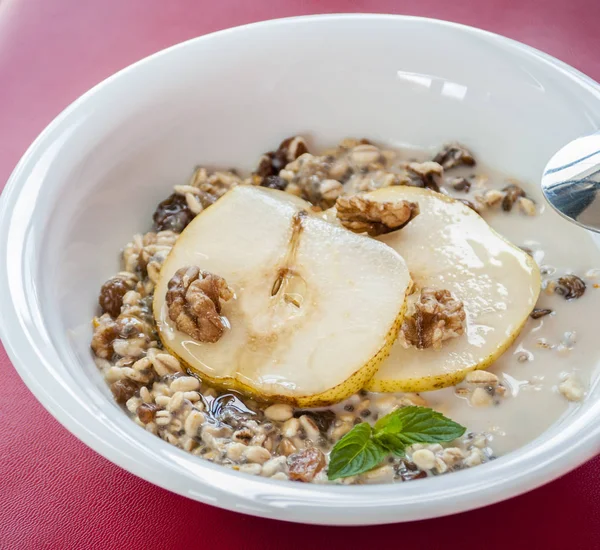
[94,176]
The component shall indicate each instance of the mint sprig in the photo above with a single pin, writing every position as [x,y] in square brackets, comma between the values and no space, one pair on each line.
[363,447]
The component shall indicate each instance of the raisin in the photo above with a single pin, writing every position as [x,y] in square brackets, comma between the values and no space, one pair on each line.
[304,466]
[292,148]
[123,390]
[272,162]
[111,295]
[264,168]
[570,287]
[461,184]
[146,412]
[538,313]
[409,471]
[409,476]
[513,192]
[172,214]
[274,182]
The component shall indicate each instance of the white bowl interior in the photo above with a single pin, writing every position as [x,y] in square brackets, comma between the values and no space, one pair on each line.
[94,178]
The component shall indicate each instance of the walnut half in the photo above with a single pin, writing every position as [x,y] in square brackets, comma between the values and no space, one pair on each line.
[438,316]
[363,215]
[193,301]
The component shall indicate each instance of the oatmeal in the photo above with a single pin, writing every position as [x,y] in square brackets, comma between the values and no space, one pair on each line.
[545,369]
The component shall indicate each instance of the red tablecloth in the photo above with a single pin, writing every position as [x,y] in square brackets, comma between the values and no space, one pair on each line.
[55,492]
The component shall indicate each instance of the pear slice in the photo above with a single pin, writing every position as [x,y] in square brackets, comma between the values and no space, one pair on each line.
[449,246]
[315,310]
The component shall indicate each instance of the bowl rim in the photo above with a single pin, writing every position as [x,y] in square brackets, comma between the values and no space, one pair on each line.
[22,334]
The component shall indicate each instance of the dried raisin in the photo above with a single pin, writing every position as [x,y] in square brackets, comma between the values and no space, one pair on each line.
[172,214]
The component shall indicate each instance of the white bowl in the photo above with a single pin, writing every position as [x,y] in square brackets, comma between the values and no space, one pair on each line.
[94,176]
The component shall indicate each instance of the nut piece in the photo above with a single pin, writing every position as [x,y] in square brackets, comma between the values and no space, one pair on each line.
[105,332]
[438,316]
[429,174]
[127,336]
[363,215]
[453,155]
[304,466]
[193,302]
[569,287]
[512,193]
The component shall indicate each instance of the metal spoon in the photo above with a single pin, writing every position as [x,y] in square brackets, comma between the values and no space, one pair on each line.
[571,182]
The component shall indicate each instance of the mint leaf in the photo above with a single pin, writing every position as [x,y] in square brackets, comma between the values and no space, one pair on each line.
[409,425]
[355,453]
[363,447]
[391,443]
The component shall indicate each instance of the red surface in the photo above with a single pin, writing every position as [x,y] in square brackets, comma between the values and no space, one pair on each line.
[58,494]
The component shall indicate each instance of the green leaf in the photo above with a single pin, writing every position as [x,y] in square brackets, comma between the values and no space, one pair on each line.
[391,443]
[355,453]
[363,447]
[410,425]
[390,423]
